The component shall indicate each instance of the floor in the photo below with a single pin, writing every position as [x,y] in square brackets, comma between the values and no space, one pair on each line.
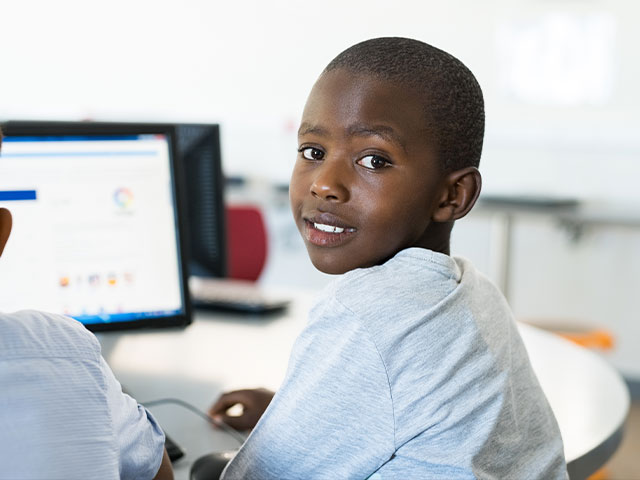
[625,463]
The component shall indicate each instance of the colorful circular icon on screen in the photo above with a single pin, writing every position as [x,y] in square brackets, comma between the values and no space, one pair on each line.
[123,197]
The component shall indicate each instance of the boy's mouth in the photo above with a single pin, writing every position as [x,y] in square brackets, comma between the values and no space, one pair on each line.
[326,230]
[331,228]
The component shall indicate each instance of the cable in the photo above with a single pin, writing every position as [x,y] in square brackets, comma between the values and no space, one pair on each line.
[230,430]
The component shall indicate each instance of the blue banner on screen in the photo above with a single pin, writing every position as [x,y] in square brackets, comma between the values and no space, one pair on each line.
[17,195]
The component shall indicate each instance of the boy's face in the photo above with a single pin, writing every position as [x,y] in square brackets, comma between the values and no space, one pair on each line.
[366,181]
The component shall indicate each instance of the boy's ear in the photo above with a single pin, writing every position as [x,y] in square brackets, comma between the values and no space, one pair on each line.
[459,194]
[5,227]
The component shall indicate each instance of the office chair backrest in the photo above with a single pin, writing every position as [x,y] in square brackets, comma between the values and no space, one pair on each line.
[246,242]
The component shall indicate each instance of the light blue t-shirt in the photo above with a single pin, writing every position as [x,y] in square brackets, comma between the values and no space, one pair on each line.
[409,370]
[62,413]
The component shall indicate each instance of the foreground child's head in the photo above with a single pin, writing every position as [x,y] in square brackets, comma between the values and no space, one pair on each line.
[389,142]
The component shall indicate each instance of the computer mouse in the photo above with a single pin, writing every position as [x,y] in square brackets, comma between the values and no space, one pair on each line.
[210,466]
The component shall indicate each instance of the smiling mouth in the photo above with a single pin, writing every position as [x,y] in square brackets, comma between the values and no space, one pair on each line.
[326,235]
[331,228]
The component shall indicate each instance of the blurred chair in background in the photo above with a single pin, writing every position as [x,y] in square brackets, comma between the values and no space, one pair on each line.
[247,242]
[246,256]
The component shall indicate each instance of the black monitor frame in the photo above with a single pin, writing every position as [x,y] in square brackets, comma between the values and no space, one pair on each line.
[199,152]
[55,128]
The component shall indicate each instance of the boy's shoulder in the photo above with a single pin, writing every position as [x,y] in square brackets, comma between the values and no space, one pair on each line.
[385,298]
[417,289]
[409,271]
[41,334]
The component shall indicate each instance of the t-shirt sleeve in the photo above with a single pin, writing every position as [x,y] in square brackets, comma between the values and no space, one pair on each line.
[333,416]
[138,436]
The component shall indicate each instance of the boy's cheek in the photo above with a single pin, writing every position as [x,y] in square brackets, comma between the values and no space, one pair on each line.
[296,189]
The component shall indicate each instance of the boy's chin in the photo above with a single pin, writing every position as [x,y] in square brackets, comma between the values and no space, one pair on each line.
[330,269]
[332,264]
[329,264]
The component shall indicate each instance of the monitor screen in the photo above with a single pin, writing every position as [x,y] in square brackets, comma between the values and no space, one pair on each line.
[96,223]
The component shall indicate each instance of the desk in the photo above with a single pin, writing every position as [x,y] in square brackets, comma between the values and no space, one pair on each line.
[588,397]
[219,352]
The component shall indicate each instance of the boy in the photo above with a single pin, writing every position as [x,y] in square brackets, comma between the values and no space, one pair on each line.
[411,365]
[62,412]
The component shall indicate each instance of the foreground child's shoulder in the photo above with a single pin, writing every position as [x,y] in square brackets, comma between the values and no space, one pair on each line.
[44,333]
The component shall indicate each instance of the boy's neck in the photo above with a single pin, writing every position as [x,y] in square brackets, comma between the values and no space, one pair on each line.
[439,238]
[443,249]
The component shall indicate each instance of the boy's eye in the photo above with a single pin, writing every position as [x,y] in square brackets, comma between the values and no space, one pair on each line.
[373,162]
[311,153]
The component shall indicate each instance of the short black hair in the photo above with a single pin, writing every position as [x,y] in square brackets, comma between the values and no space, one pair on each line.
[452,97]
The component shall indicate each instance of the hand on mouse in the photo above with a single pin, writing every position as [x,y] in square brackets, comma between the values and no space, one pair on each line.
[253,402]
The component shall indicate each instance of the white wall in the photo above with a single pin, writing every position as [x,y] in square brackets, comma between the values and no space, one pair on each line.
[560,81]
[249,65]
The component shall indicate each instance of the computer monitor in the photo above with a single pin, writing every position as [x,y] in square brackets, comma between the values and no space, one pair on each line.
[198,148]
[98,231]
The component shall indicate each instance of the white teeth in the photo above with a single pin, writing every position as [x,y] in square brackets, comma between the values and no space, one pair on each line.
[328,228]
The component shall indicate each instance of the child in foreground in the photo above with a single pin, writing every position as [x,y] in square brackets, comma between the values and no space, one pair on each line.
[411,365]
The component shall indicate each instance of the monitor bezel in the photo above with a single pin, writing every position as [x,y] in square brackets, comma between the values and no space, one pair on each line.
[221,268]
[25,128]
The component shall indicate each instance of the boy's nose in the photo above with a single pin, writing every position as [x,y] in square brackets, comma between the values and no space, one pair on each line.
[330,183]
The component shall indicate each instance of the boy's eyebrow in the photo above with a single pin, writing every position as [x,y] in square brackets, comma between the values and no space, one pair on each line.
[306,128]
[383,131]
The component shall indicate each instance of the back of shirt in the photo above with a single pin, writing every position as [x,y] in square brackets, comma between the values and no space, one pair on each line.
[62,414]
[411,369]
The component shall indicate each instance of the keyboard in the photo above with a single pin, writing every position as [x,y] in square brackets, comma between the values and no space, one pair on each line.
[234,295]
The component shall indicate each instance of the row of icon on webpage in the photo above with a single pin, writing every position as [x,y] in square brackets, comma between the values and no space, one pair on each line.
[96,280]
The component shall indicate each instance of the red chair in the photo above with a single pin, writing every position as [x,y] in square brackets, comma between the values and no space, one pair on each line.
[247,244]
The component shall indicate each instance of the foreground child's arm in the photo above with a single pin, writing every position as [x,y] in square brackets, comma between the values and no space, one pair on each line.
[140,439]
[165,472]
